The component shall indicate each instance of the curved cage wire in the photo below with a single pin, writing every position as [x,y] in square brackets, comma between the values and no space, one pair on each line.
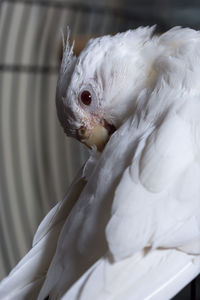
[37,161]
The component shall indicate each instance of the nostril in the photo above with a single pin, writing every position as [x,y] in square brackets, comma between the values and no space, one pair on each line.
[82,133]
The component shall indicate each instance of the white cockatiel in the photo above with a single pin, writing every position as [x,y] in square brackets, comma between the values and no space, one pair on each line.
[129,228]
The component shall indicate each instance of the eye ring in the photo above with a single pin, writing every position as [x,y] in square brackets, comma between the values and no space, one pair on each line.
[86,97]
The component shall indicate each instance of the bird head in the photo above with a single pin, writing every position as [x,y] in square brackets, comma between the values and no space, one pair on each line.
[95,91]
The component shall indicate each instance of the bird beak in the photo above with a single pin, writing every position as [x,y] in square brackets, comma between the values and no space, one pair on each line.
[97,136]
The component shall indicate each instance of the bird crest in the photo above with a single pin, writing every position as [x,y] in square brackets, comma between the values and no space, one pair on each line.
[68,56]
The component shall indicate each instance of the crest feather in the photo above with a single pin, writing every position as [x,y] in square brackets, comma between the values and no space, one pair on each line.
[66,71]
[68,56]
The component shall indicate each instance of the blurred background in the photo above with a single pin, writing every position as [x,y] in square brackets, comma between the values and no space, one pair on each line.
[37,161]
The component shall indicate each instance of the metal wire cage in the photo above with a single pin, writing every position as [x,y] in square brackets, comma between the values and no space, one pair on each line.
[37,162]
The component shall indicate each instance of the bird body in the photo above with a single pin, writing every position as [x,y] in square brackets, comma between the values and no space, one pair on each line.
[129,227]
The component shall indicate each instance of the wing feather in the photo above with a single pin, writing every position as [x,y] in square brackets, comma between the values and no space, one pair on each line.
[156,203]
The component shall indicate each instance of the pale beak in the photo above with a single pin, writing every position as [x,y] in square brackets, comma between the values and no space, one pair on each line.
[98,135]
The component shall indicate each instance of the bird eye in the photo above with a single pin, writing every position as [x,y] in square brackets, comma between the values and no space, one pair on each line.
[86,97]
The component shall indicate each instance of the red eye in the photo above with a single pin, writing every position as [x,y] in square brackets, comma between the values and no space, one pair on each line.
[86,97]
